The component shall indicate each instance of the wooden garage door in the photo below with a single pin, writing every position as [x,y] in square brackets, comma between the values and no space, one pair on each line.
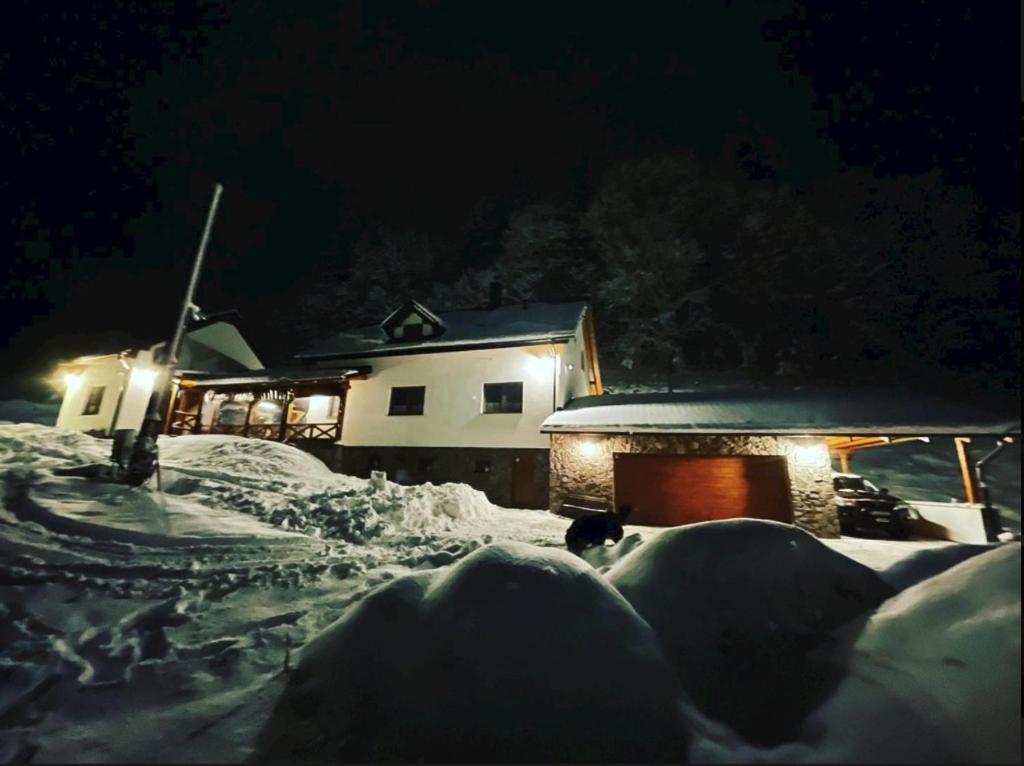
[667,490]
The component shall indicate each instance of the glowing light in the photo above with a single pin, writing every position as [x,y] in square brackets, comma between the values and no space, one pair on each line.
[72,382]
[537,365]
[588,448]
[143,377]
[808,453]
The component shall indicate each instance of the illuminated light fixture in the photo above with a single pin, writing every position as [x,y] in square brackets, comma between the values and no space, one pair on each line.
[807,453]
[72,381]
[570,366]
[144,377]
[588,448]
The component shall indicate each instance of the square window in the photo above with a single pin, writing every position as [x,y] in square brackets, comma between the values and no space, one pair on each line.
[407,400]
[503,397]
[92,404]
[483,466]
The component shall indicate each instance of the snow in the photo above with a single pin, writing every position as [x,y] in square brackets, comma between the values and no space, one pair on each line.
[778,411]
[515,653]
[935,673]
[22,411]
[260,596]
[740,606]
[517,324]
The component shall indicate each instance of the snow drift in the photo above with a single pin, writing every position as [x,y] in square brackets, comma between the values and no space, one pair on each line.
[739,607]
[934,676]
[516,653]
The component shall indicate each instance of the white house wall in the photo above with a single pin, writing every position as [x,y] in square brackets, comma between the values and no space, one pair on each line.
[452,410]
[130,380]
[108,372]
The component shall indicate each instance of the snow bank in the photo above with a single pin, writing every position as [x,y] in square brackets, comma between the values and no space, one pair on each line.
[22,411]
[235,455]
[923,564]
[739,607]
[516,653]
[934,675]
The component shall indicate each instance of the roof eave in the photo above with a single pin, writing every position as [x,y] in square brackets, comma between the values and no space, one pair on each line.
[436,348]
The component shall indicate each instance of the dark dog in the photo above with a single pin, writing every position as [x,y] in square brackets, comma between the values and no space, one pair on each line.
[590,531]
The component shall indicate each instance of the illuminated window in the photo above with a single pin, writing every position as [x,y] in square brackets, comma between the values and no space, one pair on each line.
[92,404]
[503,397]
[407,400]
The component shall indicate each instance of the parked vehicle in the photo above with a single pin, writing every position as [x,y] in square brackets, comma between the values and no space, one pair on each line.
[865,508]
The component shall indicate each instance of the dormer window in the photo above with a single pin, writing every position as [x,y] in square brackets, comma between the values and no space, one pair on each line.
[412,322]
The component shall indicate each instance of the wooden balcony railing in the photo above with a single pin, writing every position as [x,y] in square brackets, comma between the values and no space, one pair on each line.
[184,422]
[297,431]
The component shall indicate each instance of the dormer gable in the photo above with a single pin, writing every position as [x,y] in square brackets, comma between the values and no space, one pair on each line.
[410,322]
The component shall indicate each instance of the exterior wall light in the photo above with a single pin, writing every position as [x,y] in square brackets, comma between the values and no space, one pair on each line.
[144,378]
[809,453]
[72,381]
[588,448]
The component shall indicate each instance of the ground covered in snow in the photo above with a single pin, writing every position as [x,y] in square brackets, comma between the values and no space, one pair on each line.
[262,606]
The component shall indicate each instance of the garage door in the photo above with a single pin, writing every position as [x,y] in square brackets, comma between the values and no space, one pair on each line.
[667,490]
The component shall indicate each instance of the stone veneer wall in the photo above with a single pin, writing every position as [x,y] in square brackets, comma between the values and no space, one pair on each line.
[583,464]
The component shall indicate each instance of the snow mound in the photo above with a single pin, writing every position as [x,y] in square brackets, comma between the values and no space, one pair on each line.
[935,673]
[740,606]
[234,455]
[46,446]
[927,563]
[516,653]
[23,411]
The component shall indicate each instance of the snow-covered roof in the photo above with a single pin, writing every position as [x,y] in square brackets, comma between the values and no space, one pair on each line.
[518,324]
[837,411]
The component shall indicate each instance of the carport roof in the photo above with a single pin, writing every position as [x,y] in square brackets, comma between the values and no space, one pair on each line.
[795,411]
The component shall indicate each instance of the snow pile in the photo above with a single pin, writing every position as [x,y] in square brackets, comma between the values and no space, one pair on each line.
[22,411]
[236,456]
[933,676]
[923,564]
[740,607]
[516,653]
[46,447]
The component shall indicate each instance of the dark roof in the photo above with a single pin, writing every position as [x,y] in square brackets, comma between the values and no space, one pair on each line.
[520,324]
[833,411]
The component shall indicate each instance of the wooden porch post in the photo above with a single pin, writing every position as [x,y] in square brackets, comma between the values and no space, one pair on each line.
[844,461]
[248,415]
[286,405]
[966,474]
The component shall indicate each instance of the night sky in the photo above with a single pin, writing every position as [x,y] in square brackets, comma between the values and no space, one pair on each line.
[324,119]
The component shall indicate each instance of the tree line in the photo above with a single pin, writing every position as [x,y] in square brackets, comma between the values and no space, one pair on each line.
[702,271]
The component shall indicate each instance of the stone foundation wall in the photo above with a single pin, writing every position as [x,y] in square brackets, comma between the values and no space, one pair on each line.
[583,464]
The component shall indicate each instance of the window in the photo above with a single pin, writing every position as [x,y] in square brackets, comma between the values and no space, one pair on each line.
[92,404]
[407,400]
[503,397]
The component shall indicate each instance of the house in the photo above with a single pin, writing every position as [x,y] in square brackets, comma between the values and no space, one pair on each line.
[111,391]
[424,396]
[694,456]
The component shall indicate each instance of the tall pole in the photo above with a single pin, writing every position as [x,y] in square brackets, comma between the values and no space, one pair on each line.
[144,454]
[172,351]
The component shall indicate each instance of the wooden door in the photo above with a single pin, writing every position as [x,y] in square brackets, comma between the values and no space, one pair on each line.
[529,483]
[669,490]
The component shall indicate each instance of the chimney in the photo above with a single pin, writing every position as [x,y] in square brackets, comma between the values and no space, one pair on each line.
[494,298]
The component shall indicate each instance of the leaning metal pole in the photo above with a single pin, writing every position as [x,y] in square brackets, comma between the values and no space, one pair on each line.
[144,453]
